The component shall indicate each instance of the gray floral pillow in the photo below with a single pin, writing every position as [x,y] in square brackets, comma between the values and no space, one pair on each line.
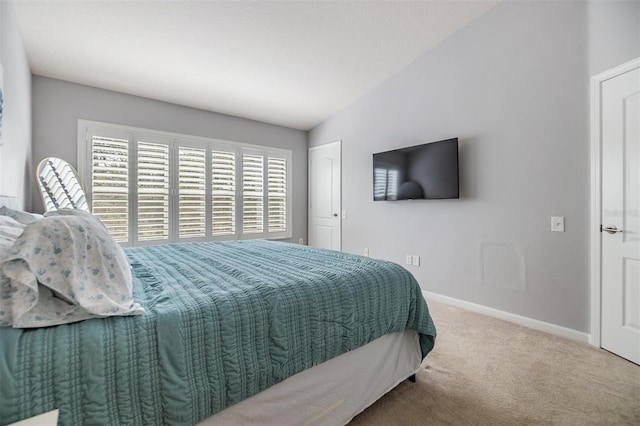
[25,218]
[62,269]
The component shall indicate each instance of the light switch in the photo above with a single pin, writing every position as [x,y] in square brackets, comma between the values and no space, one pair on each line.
[557,223]
[416,260]
[408,260]
[344,215]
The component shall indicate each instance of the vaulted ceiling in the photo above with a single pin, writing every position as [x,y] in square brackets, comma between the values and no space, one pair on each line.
[291,63]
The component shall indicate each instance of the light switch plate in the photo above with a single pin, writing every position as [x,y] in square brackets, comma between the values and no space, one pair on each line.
[408,261]
[557,223]
[416,260]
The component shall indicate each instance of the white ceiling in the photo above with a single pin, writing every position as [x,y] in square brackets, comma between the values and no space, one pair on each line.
[292,63]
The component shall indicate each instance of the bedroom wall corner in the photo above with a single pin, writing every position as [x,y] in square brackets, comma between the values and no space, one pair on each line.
[613,33]
[15,149]
[513,86]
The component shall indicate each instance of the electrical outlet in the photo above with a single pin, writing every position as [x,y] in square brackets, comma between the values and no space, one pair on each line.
[301,241]
[557,224]
[366,252]
[408,260]
[416,260]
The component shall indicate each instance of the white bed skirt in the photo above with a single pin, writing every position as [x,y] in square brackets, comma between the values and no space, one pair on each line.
[333,392]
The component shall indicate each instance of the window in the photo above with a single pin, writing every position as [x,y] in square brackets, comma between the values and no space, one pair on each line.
[223,193]
[151,187]
[153,191]
[110,184]
[277,175]
[252,193]
[192,201]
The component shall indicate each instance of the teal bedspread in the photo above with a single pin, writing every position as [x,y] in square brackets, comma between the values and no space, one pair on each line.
[224,321]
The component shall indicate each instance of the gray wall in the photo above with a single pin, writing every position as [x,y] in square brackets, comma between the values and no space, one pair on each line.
[613,33]
[57,106]
[514,87]
[15,154]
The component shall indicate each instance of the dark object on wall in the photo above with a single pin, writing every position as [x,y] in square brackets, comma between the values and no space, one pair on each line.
[428,171]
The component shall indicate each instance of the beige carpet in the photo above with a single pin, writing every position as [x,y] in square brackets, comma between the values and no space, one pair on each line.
[484,371]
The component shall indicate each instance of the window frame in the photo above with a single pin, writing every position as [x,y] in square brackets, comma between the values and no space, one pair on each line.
[87,129]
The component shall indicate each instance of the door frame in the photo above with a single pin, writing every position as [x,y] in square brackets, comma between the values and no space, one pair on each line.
[596,195]
[315,148]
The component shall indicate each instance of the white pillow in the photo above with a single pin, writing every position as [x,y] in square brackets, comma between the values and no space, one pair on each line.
[23,217]
[10,230]
[9,222]
[61,259]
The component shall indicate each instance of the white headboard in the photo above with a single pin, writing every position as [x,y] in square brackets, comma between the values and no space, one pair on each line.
[9,201]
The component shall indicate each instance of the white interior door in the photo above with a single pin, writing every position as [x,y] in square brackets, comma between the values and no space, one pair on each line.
[620,238]
[325,222]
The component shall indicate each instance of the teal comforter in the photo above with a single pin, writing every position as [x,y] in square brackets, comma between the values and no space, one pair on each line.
[224,321]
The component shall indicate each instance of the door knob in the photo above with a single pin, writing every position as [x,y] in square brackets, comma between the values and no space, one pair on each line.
[335,215]
[612,229]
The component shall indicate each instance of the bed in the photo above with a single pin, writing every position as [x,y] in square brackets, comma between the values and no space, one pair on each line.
[234,332]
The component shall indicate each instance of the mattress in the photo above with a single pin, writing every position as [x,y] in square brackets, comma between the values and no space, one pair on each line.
[333,392]
[225,321]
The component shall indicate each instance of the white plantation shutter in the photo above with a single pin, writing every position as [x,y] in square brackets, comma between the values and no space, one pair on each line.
[153,191]
[252,194]
[223,193]
[385,183]
[192,192]
[110,184]
[277,200]
[152,187]
[380,183]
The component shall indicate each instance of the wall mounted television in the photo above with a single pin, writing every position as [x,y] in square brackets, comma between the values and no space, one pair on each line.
[422,172]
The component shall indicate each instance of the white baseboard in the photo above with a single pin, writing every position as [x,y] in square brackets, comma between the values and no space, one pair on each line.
[557,330]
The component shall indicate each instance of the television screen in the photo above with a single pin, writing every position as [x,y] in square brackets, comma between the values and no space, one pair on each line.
[428,171]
